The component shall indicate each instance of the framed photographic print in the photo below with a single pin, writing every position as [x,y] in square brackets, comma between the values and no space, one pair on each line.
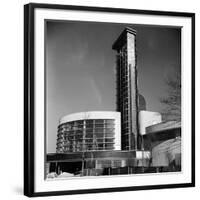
[108,99]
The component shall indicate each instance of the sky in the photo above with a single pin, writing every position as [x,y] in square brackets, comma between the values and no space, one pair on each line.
[80,67]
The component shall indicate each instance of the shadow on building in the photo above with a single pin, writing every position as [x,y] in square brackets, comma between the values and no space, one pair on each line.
[128,141]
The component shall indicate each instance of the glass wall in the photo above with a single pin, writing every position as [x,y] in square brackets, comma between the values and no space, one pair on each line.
[86,135]
[123,95]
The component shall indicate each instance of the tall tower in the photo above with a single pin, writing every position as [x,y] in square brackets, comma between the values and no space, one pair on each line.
[127,92]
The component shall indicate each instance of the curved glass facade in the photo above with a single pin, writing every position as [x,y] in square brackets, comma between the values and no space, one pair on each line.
[86,135]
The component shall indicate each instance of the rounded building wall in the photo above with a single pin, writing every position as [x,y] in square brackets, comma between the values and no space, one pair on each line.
[148,118]
[89,131]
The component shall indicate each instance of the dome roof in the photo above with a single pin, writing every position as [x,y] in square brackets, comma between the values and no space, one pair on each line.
[142,103]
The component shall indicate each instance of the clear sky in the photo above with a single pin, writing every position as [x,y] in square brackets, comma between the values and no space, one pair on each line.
[80,67]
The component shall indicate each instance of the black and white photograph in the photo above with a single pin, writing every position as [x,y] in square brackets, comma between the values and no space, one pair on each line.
[109,100]
[113,99]
[99,99]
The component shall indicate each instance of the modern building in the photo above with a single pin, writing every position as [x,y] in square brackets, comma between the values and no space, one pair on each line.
[127,90]
[161,132]
[148,118]
[98,162]
[104,142]
[89,131]
[163,140]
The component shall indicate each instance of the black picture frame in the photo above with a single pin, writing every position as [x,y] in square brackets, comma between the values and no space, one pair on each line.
[29,98]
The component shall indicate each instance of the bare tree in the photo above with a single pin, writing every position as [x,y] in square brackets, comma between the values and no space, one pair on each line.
[172,101]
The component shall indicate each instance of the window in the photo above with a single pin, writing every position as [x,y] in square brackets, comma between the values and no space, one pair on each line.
[109,140]
[99,121]
[109,146]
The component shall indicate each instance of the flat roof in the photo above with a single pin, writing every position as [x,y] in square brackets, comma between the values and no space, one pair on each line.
[120,40]
[90,115]
[163,126]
